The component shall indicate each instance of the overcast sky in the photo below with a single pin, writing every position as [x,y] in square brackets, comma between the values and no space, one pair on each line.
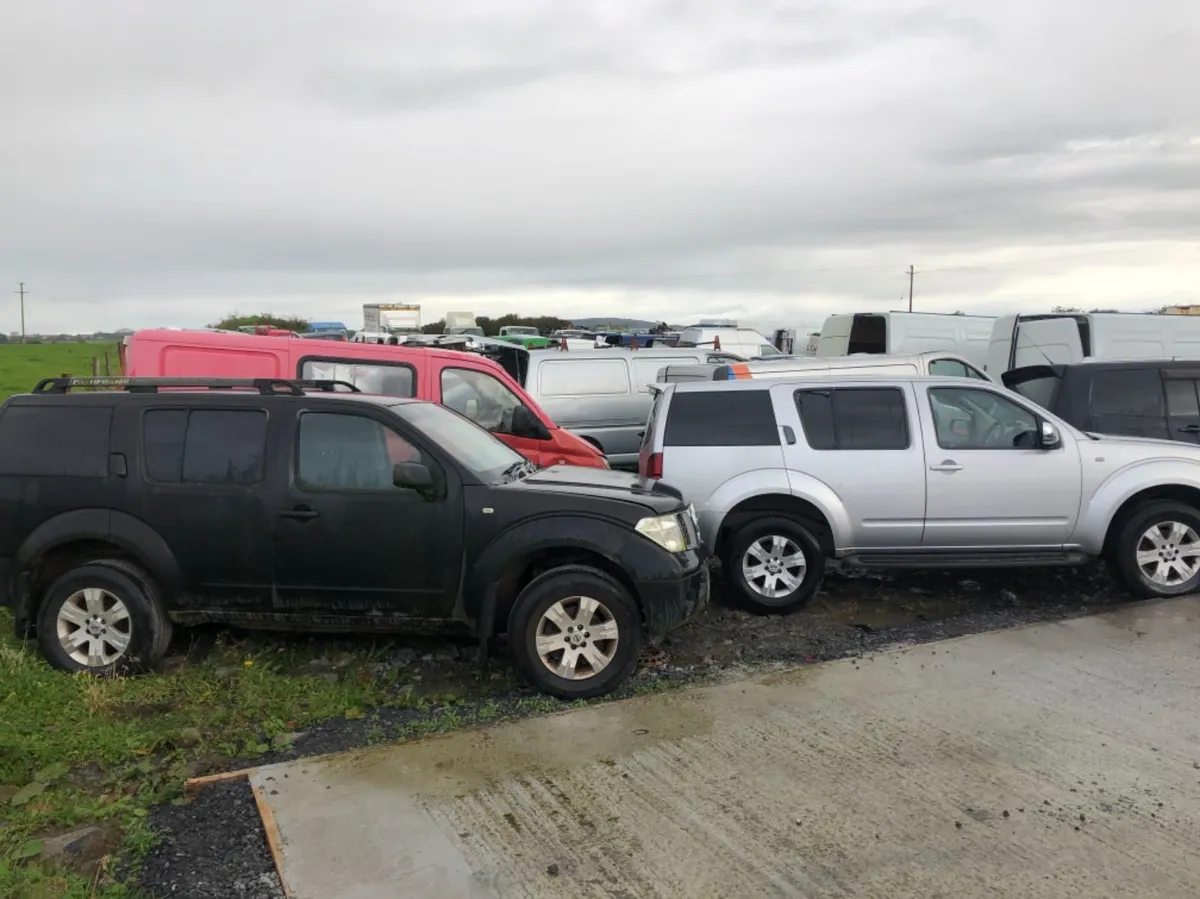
[166,163]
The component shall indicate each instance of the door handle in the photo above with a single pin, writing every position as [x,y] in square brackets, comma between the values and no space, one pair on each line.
[301,513]
[1189,429]
[946,465]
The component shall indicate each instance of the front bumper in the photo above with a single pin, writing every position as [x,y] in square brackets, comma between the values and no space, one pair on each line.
[666,604]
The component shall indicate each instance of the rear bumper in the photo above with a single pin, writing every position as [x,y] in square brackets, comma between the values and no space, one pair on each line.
[666,604]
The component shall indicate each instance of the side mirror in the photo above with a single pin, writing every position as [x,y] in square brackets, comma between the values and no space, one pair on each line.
[526,424]
[412,476]
[1048,437]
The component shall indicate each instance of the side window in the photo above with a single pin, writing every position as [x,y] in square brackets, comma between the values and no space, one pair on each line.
[1134,393]
[1181,399]
[42,441]
[480,397]
[721,418]
[973,372]
[204,446]
[950,368]
[389,379]
[971,419]
[854,418]
[588,377]
[348,452]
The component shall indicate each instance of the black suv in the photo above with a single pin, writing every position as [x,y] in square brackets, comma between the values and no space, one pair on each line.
[285,505]
[1141,398]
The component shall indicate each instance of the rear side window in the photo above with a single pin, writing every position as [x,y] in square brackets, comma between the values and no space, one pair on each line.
[721,418]
[204,446]
[854,418]
[43,441]
[1134,393]
[591,377]
[369,377]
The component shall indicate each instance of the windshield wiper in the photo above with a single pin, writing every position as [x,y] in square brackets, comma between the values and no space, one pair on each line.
[516,470]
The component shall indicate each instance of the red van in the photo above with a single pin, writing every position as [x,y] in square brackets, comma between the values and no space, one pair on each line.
[466,382]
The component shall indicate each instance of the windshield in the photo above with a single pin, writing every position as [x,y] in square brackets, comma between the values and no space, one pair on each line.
[1040,390]
[532,332]
[473,447]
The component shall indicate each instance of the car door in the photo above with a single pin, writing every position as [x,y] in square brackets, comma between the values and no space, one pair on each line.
[347,540]
[1183,410]
[864,444]
[487,401]
[988,484]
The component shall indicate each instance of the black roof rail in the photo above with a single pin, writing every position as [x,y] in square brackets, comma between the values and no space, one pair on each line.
[265,386]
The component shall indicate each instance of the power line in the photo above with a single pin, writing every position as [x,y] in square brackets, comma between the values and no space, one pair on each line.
[911,274]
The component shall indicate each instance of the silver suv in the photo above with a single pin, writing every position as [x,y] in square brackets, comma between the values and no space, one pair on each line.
[916,472]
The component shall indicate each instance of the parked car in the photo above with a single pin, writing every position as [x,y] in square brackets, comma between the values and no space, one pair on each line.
[482,390]
[941,364]
[1059,338]
[523,335]
[269,505]
[1143,398]
[603,396]
[916,473]
[900,333]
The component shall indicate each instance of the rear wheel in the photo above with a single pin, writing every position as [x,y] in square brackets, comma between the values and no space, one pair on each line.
[575,633]
[775,564]
[1157,551]
[103,618]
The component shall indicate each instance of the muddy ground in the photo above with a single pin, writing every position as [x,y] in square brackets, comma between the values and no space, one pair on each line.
[213,846]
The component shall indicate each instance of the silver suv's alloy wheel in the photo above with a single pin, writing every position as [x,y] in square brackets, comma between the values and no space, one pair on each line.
[1169,553]
[94,627]
[774,566]
[577,637]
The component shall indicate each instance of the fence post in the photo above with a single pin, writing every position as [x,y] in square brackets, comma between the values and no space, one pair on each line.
[107,369]
[95,366]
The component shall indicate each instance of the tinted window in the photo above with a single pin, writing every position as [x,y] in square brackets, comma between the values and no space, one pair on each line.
[1181,398]
[349,452]
[1135,392]
[205,446]
[721,418]
[479,397]
[37,441]
[854,418]
[1042,391]
[590,377]
[471,445]
[369,377]
[966,418]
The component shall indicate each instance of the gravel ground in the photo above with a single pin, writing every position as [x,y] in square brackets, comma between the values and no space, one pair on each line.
[214,847]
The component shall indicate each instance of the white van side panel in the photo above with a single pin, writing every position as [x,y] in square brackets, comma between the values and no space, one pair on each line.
[835,336]
[967,335]
[1117,336]
[1048,341]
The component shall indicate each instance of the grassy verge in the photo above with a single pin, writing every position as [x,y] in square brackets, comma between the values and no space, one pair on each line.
[78,751]
[23,365]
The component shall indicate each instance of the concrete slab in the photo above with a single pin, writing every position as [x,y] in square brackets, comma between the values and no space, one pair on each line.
[1055,760]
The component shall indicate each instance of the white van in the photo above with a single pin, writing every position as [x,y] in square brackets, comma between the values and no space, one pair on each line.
[1060,338]
[744,342]
[916,364]
[898,333]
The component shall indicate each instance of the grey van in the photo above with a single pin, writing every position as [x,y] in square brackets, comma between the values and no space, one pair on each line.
[603,395]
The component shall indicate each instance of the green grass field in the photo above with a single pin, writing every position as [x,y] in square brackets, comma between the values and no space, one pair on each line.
[23,365]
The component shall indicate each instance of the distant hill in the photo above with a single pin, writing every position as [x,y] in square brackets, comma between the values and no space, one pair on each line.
[633,324]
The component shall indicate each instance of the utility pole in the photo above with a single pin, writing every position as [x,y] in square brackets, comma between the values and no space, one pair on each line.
[22,291]
[911,272]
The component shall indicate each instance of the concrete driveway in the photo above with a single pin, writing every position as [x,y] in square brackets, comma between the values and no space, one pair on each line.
[1054,760]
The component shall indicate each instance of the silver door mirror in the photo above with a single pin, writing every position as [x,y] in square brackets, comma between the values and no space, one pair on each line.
[1049,436]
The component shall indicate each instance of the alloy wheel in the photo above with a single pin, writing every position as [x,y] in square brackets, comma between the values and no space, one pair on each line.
[577,637]
[1168,554]
[94,627]
[774,566]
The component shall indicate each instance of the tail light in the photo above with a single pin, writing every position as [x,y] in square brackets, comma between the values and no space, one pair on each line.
[651,466]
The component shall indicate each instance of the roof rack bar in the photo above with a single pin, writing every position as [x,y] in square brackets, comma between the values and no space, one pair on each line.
[265,386]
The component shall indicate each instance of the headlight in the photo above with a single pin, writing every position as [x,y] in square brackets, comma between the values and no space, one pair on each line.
[665,531]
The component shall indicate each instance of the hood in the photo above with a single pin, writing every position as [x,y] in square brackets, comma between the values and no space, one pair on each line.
[603,483]
[1180,448]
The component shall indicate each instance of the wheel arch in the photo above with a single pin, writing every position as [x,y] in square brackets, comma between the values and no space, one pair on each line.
[1186,494]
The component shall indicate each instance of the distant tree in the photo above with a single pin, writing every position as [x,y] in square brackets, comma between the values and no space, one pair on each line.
[491,326]
[235,320]
[1066,310]
[436,327]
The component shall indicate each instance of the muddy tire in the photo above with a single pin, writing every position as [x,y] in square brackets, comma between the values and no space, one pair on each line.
[103,618]
[574,632]
[1157,551]
[774,565]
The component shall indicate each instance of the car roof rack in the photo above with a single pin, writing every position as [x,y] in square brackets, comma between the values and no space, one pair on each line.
[265,386]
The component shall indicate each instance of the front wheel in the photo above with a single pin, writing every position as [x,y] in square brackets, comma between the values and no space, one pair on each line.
[575,633]
[775,564]
[1157,552]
